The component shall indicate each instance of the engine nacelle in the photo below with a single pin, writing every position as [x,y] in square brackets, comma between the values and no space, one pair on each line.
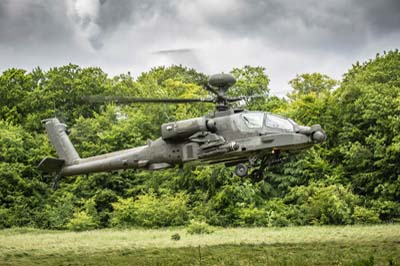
[183,129]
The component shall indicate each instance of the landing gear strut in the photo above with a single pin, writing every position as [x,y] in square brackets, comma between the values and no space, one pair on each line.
[241,170]
[258,164]
[258,172]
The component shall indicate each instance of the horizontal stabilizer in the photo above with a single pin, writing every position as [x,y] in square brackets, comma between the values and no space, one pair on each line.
[51,165]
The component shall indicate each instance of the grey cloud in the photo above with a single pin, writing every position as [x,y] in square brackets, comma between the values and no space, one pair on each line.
[25,23]
[288,37]
[383,16]
[2,8]
[113,13]
[312,24]
[306,24]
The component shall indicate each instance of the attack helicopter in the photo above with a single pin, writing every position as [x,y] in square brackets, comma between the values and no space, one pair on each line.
[232,136]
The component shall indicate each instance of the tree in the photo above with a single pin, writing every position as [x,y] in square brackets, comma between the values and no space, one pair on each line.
[251,81]
[311,82]
[352,177]
[368,127]
[15,87]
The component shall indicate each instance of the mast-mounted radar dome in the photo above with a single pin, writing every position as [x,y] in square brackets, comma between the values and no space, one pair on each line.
[222,81]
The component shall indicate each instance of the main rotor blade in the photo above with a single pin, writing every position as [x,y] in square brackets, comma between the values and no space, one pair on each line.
[257,96]
[174,51]
[127,100]
[240,98]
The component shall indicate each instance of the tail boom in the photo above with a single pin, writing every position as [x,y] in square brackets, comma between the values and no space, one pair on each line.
[69,163]
[127,160]
[154,156]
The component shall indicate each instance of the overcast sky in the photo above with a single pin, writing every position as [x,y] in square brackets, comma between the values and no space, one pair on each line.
[287,37]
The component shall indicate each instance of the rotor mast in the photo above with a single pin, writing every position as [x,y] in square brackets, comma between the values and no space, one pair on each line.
[219,84]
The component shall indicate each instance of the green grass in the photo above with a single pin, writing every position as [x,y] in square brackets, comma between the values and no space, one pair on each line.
[346,245]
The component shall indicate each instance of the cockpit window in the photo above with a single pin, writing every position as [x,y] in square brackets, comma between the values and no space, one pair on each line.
[274,121]
[253,120]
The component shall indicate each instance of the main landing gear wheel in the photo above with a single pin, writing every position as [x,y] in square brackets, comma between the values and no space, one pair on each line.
[241,170]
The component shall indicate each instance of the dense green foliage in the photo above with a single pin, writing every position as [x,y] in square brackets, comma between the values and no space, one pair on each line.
[354,177]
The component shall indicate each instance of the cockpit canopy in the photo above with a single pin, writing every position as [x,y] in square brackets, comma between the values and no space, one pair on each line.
[257,120]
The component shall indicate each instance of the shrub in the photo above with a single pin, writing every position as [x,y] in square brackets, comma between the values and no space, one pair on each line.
[124,213]
[61,211]
[277,219]
[363,215]
[199,228]
[81,221]
[100,205]
[387,210]
[321,204]
[202,208]
[277,213]
[4,213]
[253,216]
[151,211]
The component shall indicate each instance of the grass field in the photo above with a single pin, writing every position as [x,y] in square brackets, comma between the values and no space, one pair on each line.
[347,245]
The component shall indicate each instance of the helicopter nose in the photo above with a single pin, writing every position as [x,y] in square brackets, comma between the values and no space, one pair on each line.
[316,133]
[319,136]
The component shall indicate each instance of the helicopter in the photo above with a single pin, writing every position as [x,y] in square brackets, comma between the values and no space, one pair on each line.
[232,136]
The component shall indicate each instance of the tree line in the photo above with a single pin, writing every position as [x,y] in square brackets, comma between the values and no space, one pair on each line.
[354,177]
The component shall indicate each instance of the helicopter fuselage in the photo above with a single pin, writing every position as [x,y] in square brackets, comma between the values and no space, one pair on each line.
[230,137]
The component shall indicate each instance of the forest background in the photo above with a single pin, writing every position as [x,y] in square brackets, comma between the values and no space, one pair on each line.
[352,178]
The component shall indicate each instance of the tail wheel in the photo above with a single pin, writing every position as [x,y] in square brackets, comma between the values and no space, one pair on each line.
[241,170]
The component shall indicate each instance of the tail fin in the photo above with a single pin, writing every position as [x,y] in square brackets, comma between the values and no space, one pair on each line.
[56,132]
